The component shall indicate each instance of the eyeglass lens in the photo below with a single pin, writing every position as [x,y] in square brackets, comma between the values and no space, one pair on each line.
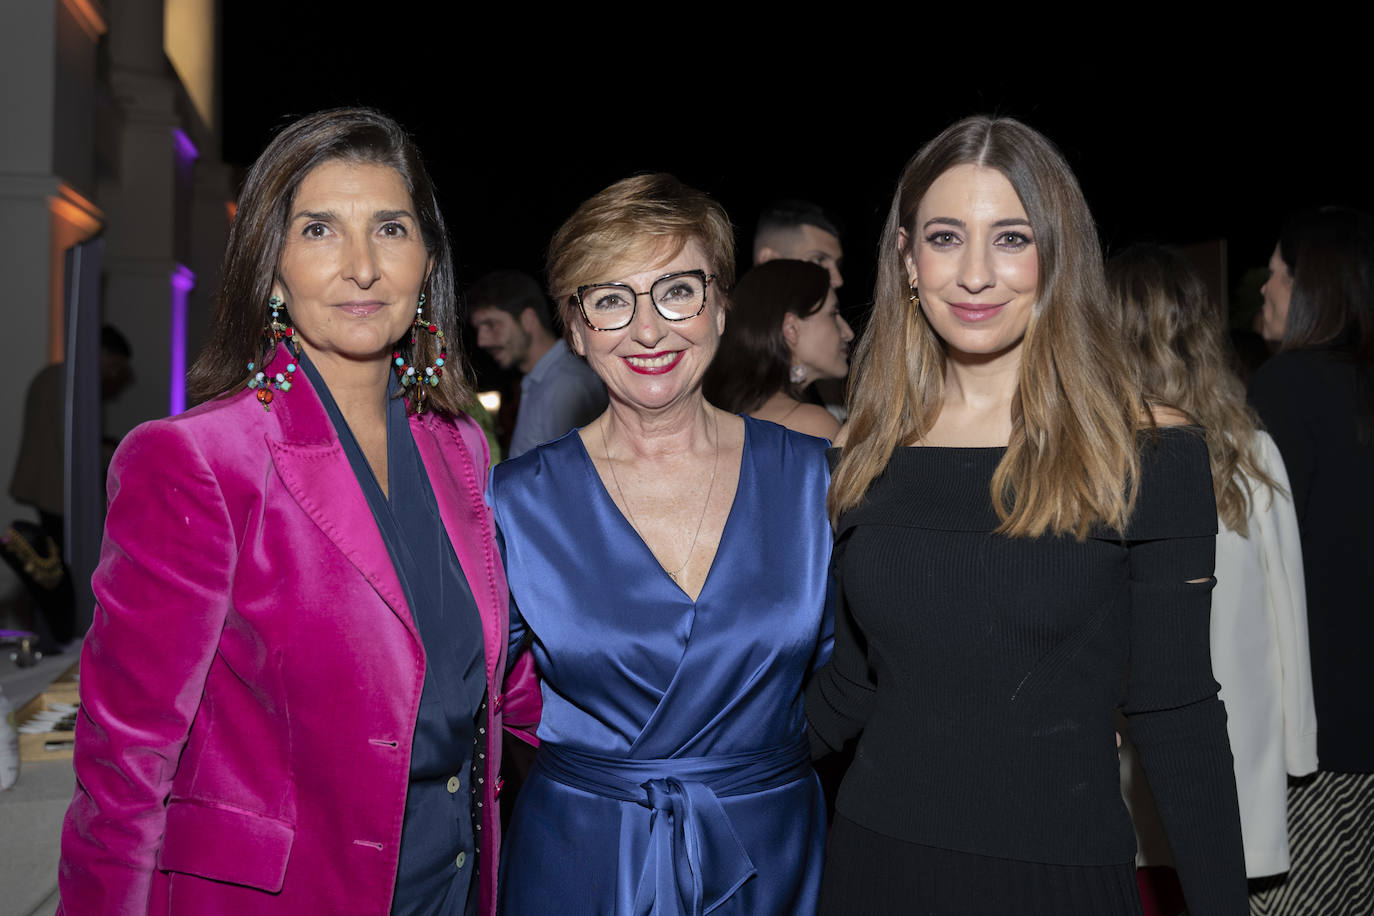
[676,297]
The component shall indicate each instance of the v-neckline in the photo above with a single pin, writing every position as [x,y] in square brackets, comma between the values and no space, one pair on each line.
[745,467]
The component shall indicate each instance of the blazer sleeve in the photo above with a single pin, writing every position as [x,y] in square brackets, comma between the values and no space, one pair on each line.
[1276,524]
[162,593]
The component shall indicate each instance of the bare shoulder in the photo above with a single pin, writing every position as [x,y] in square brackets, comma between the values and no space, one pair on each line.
[1164,415]
[813,420]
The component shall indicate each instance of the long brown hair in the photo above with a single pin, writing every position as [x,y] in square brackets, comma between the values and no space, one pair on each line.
[1180,350]
[258,235]
[1072,459]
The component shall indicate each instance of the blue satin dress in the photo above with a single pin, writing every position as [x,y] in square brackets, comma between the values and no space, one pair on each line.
[672,775]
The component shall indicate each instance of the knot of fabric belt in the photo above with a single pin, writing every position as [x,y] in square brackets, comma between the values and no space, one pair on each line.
[659,794]
[694,860]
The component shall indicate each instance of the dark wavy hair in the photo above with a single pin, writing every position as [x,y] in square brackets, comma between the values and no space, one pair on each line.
[753,361]
[258,235]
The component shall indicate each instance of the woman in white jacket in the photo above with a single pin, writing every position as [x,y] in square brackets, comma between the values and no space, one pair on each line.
[1259,620]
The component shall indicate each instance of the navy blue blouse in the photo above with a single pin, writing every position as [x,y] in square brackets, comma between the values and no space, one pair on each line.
[438,860]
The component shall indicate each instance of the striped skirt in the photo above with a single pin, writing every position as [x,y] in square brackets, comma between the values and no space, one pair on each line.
[1331,845]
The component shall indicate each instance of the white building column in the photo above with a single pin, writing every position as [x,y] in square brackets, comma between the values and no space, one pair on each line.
[47,88]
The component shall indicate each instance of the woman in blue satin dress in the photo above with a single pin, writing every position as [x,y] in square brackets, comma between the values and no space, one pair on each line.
[668,566]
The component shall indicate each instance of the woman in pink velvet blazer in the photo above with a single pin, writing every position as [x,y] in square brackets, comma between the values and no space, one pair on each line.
[251,683]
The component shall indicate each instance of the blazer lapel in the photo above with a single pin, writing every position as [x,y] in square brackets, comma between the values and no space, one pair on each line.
[453,477]
[315,471]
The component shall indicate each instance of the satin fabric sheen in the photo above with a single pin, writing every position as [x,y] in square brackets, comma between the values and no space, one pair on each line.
[668,780]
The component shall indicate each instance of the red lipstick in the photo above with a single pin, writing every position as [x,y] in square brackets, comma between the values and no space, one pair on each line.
[654,363]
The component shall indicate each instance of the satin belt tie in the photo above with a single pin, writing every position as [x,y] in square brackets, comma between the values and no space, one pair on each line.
[694,860]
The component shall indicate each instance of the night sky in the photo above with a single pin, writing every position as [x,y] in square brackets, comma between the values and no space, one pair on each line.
[518,131]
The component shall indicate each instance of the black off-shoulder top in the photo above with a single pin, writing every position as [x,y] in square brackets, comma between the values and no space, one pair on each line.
[984,671]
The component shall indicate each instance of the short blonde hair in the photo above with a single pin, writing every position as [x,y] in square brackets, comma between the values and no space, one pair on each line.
[653,216]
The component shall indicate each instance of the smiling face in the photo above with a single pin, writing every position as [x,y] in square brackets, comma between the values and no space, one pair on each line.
[653,363]
[1277,292]
[353,264]
[971,256]
[820,341]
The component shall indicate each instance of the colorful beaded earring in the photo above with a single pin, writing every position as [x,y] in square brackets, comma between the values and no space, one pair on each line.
[431,375]
[276,332]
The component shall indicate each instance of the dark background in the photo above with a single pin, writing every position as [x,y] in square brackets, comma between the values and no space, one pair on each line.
[1170,145]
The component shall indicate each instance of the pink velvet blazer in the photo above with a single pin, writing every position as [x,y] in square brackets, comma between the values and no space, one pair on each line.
[250,683]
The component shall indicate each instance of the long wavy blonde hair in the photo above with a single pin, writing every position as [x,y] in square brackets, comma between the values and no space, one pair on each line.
[1072,458]
[1176,333]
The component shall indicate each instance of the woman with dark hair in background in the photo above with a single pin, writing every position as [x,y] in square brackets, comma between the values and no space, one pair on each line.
[300,602]
[784,333]
[1015,529]
[1259,619]
[1316,398]
[669,562]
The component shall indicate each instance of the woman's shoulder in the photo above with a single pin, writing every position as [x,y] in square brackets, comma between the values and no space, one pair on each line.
[213,428]
[766,436]
[814,420]
[1295,373]
[1175,496]
[541,462]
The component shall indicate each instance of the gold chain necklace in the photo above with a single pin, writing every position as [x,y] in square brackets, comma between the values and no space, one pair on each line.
[715,425]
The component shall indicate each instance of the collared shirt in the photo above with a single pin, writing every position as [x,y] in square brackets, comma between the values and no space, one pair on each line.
[561,392]
[436,872]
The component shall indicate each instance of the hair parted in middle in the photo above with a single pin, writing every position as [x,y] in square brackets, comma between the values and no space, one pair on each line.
[257,237]
[1177,335]
[754,360]
[645,219]
[1072,459]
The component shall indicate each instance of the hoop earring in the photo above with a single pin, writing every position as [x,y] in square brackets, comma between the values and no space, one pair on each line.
[914,298]
[797,374]
[406,372]
[275,332]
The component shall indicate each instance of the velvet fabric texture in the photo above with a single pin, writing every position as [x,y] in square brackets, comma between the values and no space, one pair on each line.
[251,680]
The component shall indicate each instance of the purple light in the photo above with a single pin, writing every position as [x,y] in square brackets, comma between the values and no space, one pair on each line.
[183,281]
[186,150]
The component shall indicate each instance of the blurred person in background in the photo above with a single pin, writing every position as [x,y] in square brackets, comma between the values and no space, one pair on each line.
[558,392]
[1259,607]
[1316,398]
[783,334]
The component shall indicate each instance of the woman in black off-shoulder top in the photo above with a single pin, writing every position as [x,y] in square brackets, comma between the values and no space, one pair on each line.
[1021,548]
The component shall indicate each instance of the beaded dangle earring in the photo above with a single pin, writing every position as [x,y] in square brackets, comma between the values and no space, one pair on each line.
[275,333]
[431,374]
